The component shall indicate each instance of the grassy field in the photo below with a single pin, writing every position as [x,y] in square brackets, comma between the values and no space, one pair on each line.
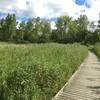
[38,71]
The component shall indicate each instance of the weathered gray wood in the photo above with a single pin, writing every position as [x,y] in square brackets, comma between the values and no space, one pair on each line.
[84,84]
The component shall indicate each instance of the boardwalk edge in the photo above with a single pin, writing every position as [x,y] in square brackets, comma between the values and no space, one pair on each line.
[69,81]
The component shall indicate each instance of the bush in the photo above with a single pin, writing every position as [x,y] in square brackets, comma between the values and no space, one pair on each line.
[97,49]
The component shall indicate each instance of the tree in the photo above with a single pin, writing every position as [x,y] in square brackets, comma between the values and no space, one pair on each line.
[92,26]
[2,30]
[8,27]
[97,32]
[44,32]
[72,32]
[19,36]
[13,25]
[30,33]
[98,24]
[39,30]
[62,25]
[92,35]
[82,23]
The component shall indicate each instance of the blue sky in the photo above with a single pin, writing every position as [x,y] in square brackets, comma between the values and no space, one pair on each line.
[51,9]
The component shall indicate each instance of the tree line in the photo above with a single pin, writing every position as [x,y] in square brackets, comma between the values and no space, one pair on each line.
[38,30]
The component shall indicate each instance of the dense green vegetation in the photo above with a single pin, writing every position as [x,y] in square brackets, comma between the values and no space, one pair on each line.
[97,49]
[37,72]
[39,30]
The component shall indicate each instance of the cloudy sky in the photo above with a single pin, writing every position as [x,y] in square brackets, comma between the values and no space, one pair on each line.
[25,9]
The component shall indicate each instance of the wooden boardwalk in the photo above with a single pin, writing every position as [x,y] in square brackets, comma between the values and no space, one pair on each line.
[85,83]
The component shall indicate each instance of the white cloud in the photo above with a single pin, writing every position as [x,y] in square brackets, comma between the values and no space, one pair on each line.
[93,12]
[50,8]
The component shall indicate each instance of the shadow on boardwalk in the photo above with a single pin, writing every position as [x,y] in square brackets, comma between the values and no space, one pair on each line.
[85,83]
